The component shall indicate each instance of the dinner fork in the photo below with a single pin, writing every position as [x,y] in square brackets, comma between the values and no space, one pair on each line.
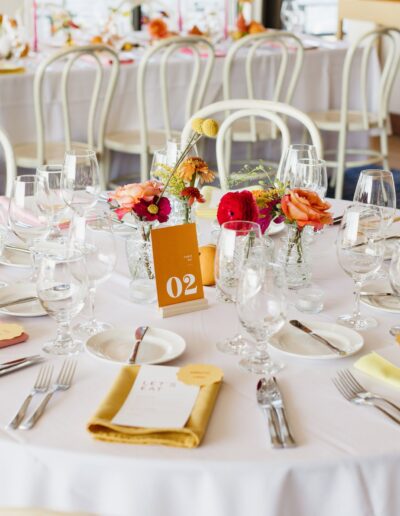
[347,394]
[358,390]
[41,385]
[63,383]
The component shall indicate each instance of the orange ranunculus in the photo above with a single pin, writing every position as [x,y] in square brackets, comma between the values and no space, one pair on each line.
[306,208]
[195,31]
[195,165]
[241,24]
[256,27]
[157,28]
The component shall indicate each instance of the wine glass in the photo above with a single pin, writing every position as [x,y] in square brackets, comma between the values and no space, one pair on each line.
[25,218]
[62,288]
[311,175]
[93,236]
[49,197]
[287,170]
[360,254]
[394,276]
[261,307]
[235,240]
[81,180]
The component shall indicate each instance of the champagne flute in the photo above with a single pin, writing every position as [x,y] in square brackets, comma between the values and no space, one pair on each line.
[311,175]
[261,307]
[62,288]
[49,196]
[93,236]
[394,275]
[360,255]
[235,240]
[287,170]
[81,180]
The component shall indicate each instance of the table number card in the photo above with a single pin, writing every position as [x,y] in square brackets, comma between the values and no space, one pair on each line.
[177,270]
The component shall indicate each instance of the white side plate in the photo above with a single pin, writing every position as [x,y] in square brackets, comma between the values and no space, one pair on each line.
[17,291]
[15,258]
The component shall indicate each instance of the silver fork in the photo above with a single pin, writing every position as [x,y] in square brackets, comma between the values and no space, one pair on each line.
[360,391]
[347,394]
[63,383]
[41,385]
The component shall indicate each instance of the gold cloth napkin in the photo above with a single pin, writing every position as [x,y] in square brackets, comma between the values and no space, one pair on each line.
[190,436]
[378,367]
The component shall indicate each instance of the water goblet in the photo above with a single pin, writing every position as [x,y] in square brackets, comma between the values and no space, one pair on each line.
[235,240]
[261,307]
[311,175]
[287,170]
[394,276]
[62,289]
[360,254]
[93,236]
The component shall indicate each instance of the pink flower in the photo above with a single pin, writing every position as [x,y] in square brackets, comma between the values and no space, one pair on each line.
[128,195]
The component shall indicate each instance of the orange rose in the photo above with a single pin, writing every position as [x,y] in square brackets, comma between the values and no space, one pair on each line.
[157,28]
[129,195]
[306,209]
[255,27]
[150,189]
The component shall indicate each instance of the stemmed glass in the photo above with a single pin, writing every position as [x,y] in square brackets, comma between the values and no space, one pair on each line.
[394,275]
[261,306]
[287,170]
[311,175]
[81,180]
[62,289]
[25,218]
[235,240]
[93,236]
[49,197]
[360,254]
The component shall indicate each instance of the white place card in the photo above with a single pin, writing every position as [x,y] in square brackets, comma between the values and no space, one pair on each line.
[157,400]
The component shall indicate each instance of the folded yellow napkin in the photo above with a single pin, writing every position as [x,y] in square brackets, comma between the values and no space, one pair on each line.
[101,426]
[377,366]
[206,213]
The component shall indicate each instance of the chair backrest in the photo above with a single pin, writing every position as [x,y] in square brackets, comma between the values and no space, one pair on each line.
[195,47]
[284,42]
[96,126]
[11,168]
[248,107]
[390,37]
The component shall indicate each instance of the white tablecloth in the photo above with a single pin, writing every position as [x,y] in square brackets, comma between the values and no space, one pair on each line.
[319,88]
[347,462]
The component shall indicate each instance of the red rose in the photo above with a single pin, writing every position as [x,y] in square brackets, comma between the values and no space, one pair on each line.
[237,206]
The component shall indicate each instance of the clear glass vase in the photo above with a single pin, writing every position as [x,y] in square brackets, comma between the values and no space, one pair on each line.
[181,212]
[294,255]
[142,288]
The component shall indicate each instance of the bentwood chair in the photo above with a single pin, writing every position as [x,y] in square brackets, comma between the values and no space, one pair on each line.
[275,112]
[146,140]
[46,151]
[347,120]
[11,168]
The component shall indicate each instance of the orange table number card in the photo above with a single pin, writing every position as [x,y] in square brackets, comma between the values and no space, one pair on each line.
[177,270]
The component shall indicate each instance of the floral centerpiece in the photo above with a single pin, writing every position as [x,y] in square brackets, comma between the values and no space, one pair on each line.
[297,208]
[12,39]
[244,28]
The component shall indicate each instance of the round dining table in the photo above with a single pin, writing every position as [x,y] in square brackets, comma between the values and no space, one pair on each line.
[347,461]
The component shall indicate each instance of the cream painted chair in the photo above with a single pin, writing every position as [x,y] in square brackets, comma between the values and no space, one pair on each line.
[46,151]
[146,140]
[276,112]
[11,168]
[346,120]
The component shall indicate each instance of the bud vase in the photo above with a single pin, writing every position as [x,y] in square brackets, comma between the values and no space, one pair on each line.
[181,212]
[142,288]
[294,255]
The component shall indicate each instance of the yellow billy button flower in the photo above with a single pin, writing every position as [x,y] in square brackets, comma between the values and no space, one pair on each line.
[153,209]
[210,127]
[197,124]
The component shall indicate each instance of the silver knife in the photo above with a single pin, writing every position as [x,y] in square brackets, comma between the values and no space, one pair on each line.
[302,327]
[12,363]
[21,365]
[17,248]
[19,301]
[379,294]
[277,403]
[266,406]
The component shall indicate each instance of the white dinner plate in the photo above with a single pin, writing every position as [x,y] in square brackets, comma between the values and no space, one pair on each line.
[385,303]
[14,258]
[157,347]
[275,228]
[295,342]
[17,291]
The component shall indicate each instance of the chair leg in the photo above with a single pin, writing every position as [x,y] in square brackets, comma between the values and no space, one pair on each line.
[144,166]
[341,164]
[384,148]
[105,168]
